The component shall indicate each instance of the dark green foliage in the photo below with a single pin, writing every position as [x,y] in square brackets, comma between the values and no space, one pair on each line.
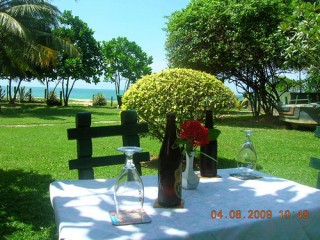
[26,40]
[235,41]
[86,66]
[302,31]
[312,83]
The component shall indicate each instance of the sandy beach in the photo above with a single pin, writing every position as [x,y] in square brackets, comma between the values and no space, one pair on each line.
[84,102]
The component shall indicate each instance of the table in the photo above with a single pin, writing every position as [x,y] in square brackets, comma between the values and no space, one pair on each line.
[221,208]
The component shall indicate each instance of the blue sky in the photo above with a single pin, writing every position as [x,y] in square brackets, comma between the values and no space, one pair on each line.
[140,21]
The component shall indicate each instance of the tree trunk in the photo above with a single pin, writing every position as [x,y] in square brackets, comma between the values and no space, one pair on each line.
[127,85]
[47,87]
[13,98]
[10,94]
[117,83]
[69,92]
[66,96]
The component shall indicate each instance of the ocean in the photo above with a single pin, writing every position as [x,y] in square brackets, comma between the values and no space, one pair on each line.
[81,93]
[76,93]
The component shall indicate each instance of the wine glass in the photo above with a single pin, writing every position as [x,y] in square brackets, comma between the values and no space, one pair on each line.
[129,189]
[247,156]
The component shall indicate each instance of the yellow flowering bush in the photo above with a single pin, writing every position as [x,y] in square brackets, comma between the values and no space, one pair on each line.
[186,92]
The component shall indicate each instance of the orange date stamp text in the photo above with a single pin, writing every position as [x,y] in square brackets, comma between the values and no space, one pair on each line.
[259,214]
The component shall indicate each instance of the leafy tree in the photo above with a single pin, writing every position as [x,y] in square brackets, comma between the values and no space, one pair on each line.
[85,67]
[312,82]
[288,84]
[302,31]
[26,42]
[234,40]
[124,60]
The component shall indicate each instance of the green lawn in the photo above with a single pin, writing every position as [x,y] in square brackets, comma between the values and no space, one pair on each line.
[34,151]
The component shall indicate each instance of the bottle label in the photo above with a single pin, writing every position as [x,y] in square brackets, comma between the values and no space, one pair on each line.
[178,180]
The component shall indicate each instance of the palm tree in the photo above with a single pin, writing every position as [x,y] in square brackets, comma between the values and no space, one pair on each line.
[26,42]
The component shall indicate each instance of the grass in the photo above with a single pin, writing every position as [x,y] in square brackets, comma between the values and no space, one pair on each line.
[34,151]
[36,113]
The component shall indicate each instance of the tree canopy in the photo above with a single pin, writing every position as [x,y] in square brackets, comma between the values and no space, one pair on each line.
[26,41]
[234,40]
[124,60]
[25,35]
[86,66]
[302,31]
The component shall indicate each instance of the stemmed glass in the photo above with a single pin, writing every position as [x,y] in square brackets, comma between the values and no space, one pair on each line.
[129,189]
[247,156]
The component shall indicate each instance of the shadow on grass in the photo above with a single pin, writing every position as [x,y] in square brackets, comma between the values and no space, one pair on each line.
[25,204]
[247,120]
[44,112]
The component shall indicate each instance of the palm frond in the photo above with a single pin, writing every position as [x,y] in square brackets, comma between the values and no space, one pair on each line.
[10,24]
[41,10]
[58,43]
[26,39]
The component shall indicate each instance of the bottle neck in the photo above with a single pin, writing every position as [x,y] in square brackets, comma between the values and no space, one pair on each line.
[171,130]
[209,119]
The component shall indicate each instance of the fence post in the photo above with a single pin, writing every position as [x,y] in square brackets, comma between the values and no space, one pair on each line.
[84,146]
[129,118]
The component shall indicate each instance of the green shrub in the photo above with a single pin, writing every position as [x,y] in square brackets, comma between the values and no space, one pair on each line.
[241,104]
[183,91]
[24,95]
[53,100]
[99,100]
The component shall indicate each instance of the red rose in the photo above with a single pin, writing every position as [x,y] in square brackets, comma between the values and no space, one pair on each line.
[194,133]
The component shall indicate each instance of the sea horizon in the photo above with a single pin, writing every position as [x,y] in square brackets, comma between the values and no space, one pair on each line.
[76,93]
[85,94]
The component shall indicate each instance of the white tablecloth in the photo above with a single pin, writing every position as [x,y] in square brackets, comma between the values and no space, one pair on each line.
[81,210]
